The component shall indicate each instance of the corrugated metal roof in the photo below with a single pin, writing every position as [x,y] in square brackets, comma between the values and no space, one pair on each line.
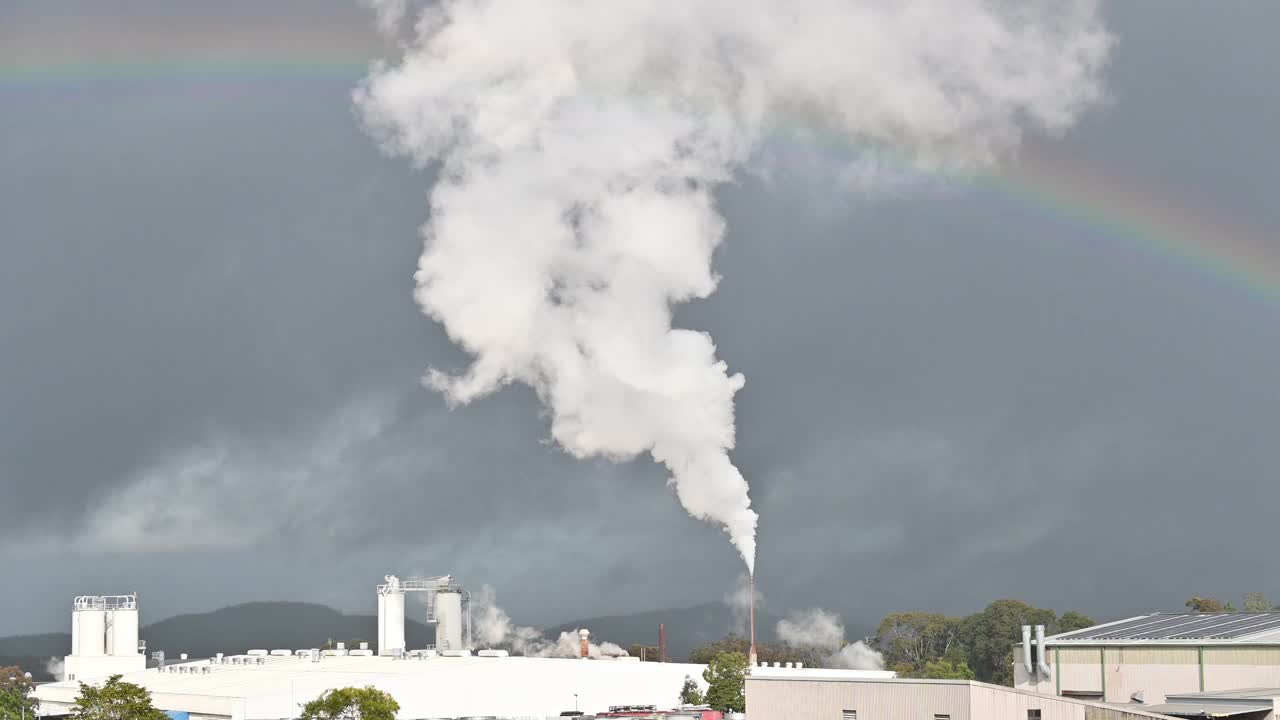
[1185,626]
[1204,710]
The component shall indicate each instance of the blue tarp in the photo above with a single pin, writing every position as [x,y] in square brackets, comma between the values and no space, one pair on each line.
[177,715]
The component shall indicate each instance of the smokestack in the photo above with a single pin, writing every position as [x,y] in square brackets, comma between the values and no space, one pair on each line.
[1026,650]
[1041,664]
[751,657]
[584,644]
[662,642]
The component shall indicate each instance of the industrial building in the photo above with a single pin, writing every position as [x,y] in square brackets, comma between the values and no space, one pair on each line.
[269,687]
[450,679]
[1151,658]
[818,695]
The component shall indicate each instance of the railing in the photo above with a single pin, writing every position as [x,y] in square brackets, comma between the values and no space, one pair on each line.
[106,602]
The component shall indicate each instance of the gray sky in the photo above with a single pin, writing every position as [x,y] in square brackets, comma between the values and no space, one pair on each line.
[210,353]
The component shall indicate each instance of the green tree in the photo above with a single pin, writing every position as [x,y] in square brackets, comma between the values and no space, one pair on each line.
[947,670]
[765,652]
[990,636]
[725,676]
[1072,621]
[1204,604]
[15,693]
[115,700]
[1257,602]
[367,703]
[689,692]
[910,640]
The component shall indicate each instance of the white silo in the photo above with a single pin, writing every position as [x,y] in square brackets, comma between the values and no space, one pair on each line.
[391,617]
[90,635]
[449,619]
[122,641]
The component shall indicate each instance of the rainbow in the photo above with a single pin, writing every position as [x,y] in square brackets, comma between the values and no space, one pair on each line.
[1132,216]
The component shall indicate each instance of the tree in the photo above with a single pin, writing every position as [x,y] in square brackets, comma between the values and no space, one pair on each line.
[1204,604]
[115,700]
[725,676]
[646,653]
[1257,602]
[765,652]
[367,703]
[689,692]
[910,640]
[991,634]
[947,670]
[1072,621]
[15,693]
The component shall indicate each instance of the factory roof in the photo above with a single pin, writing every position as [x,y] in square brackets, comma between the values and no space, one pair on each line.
[1220,703]
[1159,628]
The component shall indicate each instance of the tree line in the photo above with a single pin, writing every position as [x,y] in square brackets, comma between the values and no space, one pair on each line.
[1253,602]
[979,646]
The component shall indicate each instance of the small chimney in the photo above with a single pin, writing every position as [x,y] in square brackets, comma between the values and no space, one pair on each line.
[662,642]
[584,643]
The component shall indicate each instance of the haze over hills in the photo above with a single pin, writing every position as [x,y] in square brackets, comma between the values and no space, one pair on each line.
[296,625]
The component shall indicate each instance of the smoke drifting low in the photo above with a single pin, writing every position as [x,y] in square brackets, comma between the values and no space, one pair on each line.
[824,631]
[579,146]
[492,628]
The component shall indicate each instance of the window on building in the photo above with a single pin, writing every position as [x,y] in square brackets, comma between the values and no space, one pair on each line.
[849,715]
[941,717]
[1033,715]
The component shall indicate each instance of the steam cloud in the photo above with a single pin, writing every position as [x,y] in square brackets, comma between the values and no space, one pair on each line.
[824,631]
[56,667]
[579,146]
[492,627]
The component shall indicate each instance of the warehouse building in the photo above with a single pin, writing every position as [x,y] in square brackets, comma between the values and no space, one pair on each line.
[1150,658]
[268,687]
[818,697]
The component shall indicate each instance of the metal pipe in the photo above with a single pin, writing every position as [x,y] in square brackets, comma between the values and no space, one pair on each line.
[1043,666]
[1026,651]
[752,585]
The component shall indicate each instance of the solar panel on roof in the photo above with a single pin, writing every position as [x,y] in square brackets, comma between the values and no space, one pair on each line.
[1183,626]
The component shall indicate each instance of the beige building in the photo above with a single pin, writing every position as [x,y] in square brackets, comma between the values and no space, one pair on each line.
[814,696]
[1147,659]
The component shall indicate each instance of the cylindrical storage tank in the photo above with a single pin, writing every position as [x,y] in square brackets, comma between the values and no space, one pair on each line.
[449,619]
[391,623]
[124,633]
[92,626]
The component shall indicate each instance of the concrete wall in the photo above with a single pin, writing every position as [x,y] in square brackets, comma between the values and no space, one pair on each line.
[80,668]
[1154,671]
[795,699]
[1233,668]
[803,699]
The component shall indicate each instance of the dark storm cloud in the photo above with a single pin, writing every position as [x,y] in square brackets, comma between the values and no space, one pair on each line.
[210,364]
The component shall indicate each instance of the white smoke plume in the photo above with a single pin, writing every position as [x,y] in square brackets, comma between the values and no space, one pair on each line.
[579,145]
[56,667]
[824,631]
[492,627]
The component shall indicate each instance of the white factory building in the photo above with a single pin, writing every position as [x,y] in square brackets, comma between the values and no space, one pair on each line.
[272,687]
[448,680]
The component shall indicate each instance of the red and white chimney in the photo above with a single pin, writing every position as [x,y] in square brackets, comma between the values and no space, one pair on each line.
[584,643]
